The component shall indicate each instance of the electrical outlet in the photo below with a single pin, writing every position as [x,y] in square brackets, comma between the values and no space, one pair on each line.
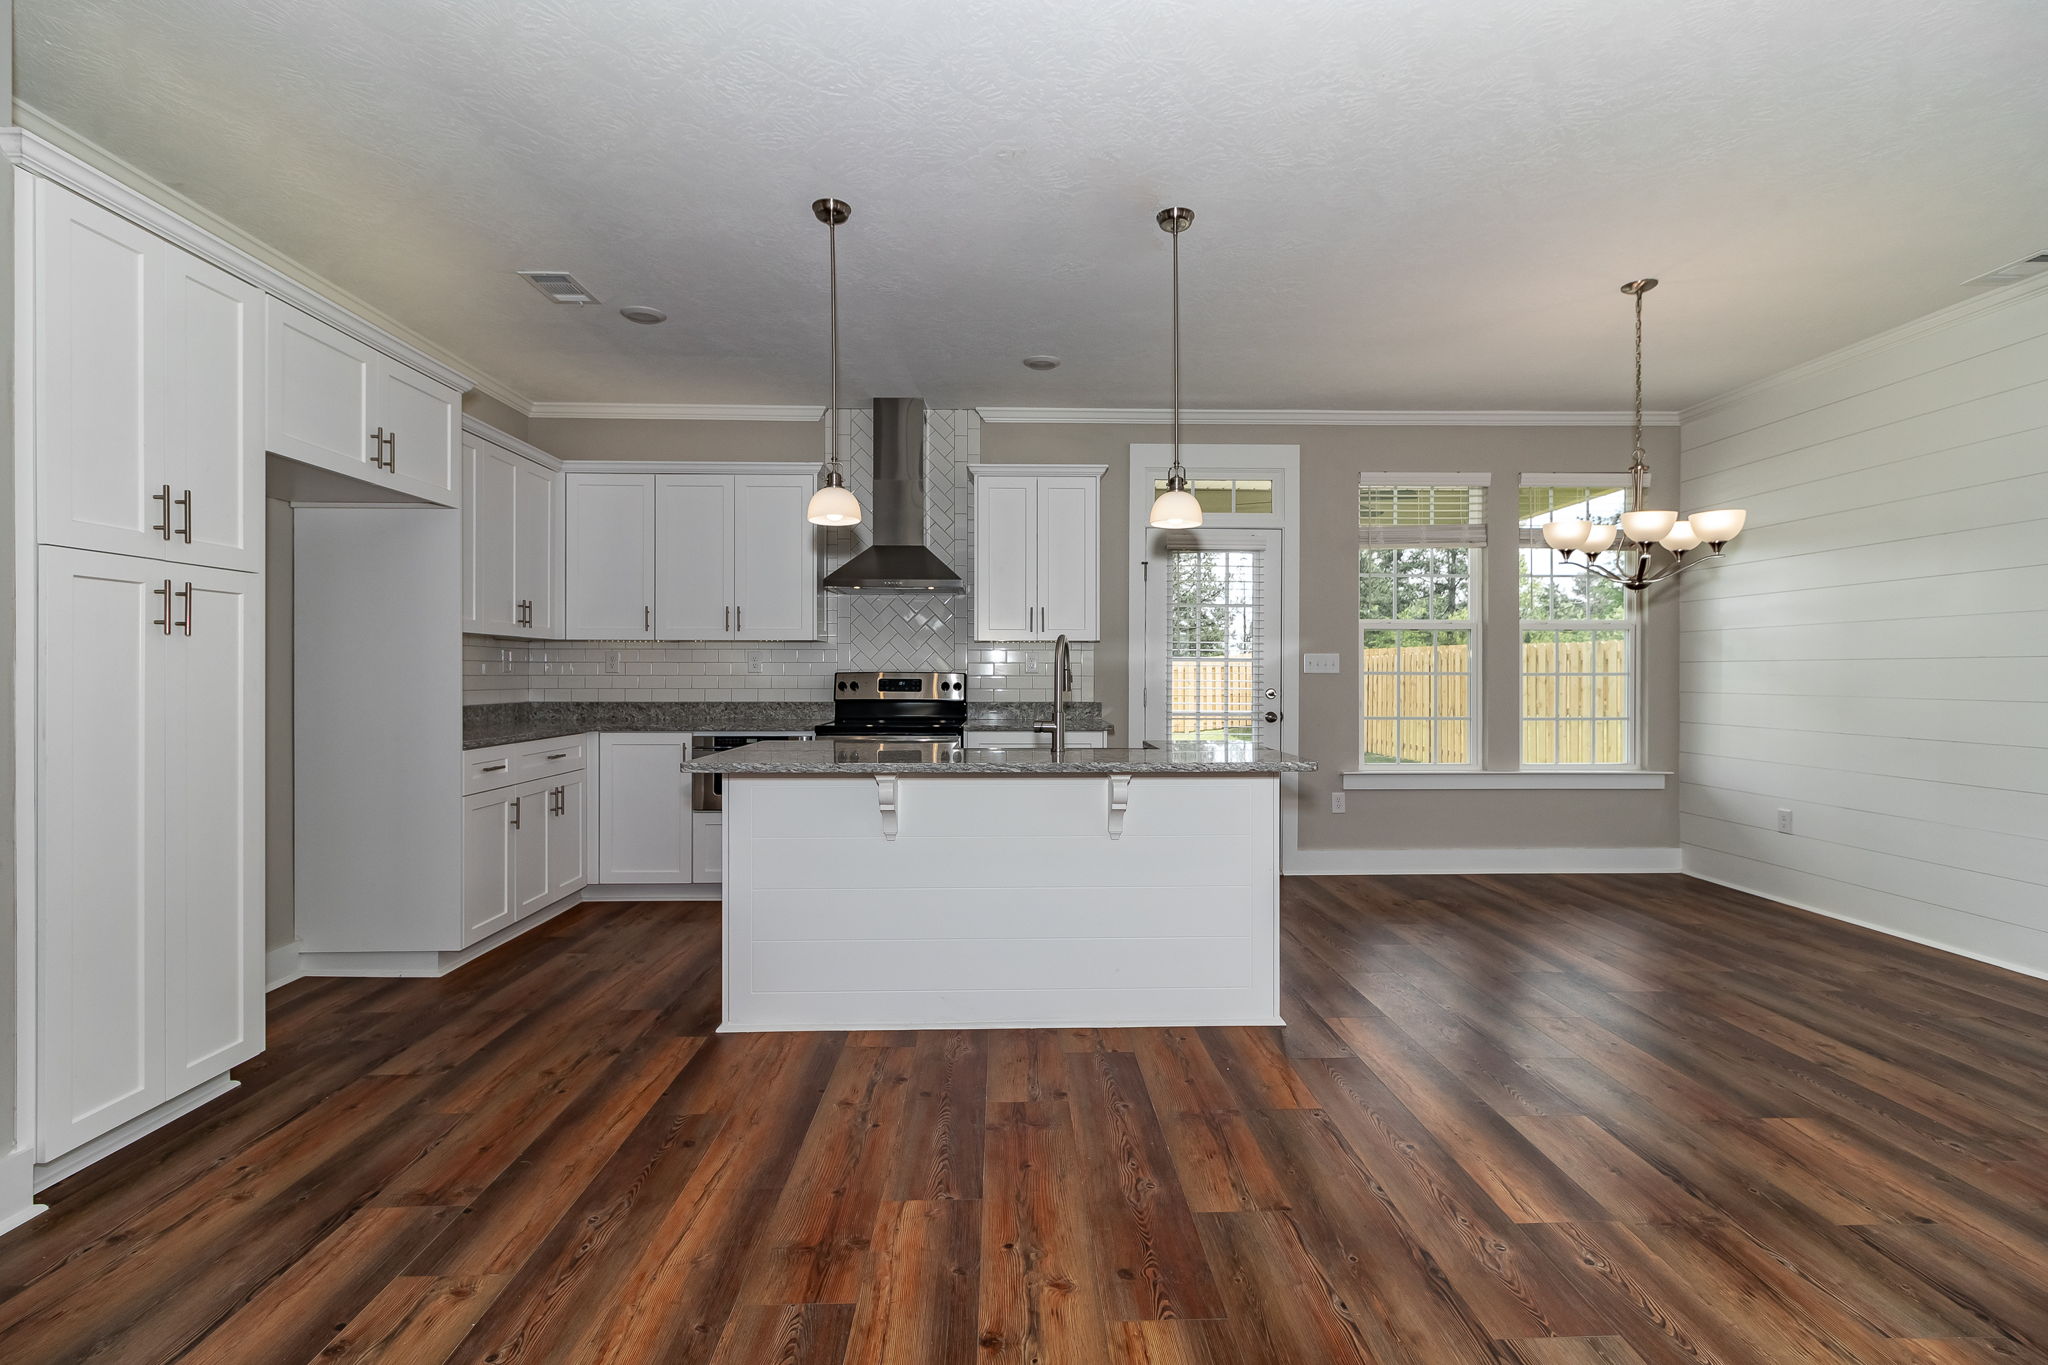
[1319,663]
[1030,663]
[1784,820]
[615,662]
[1336,803]
[757,662]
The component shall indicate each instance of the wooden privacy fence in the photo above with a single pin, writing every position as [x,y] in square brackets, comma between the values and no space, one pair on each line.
[1415,692]
[1208,694]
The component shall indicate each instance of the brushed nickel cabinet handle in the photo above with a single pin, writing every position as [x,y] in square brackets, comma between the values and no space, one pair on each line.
[165,498]
[495,768]
[553,757]
[391,452]
[377,442]
[647,618]
[186,503]
[739,618]
[165,593]
[516,801]
[189,597]
[728,618]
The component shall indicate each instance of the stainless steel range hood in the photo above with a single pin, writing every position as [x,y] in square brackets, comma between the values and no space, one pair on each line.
[898,561]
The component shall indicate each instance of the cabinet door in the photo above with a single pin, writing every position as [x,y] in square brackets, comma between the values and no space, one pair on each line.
[205,421]
[568,834]
[1005,558]
[538,552]
[317,390]
[490,494]
[694,600]
[486,864]
[100,913]
[775,558]
[643,816]
[92,366]
[213,849]
[531,888]
[611,556]
[421,418]
[1067,558]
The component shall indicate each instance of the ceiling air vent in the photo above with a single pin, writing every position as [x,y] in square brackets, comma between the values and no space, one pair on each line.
[2024,269]
[558,285]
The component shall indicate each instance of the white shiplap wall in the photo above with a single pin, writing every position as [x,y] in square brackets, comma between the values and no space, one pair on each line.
[1873,654]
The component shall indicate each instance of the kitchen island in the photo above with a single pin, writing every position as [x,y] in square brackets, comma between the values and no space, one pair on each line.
[880,887]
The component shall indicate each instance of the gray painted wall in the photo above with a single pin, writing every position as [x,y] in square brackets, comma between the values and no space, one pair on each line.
[1331,460]
[606,438]
[9,1003]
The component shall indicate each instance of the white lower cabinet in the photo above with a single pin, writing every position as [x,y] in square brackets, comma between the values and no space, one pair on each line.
[150,906]
[707,846]
[525,844]
[643,809]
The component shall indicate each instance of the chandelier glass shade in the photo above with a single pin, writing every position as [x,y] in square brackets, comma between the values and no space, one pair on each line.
[1643,530]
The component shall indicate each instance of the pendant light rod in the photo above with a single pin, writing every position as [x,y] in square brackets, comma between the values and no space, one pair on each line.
[1639,468]
[1174,221]
[832,504]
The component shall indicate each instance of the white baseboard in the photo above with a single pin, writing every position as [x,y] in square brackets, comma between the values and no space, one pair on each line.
[281,966]
[17,1188]
[655,891]
[904,1025]
[1407,862]
[428,961]
[2024,969]
[141,1126]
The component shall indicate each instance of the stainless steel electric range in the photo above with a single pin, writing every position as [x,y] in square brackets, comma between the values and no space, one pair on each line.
[895,709]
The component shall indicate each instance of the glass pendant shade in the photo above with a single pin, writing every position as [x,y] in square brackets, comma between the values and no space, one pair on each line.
[1719,527]
[1600,536]
[834,505]
[1680,538]
[1645,527]
[1175,510]
[1567,535]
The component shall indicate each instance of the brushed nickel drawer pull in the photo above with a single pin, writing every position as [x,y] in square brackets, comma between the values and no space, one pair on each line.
[495,768]
[553,757]
[164,498]
[189,597]
[186,503]
[516,802]
[165,593]
[391,452]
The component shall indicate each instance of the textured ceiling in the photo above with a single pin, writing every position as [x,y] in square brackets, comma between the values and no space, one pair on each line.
[1400,204]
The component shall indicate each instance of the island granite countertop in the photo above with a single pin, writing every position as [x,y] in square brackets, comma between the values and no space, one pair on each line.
[518,722]
[825,758]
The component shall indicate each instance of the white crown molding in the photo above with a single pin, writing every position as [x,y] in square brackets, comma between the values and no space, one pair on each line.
[1325,417]
[681,412]
[48,149]
[484,431]
[2004,296]
[976,468]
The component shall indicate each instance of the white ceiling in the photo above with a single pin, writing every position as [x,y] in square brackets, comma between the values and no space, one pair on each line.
[1399,204]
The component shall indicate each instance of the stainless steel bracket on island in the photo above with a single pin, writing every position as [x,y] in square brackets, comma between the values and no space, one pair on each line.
[1000,888]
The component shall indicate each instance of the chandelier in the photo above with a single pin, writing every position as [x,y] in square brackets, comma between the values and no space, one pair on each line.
[1643,531]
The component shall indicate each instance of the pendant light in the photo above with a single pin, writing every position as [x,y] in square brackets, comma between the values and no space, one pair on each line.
[834,503]
[1176,508]
[1642,529]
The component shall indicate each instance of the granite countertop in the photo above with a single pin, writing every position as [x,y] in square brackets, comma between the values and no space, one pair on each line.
[825,757]
[519,722]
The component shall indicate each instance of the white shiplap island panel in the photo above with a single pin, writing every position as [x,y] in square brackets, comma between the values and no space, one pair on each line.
[1000,901]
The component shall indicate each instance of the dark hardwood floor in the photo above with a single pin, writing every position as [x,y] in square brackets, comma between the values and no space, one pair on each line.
[1521,1120]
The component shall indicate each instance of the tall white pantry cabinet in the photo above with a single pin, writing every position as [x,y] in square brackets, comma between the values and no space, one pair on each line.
[144,417]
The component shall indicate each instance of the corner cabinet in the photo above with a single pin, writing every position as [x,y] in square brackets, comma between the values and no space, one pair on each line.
[1037,551]
[526,841]
[513,521]
[336,402]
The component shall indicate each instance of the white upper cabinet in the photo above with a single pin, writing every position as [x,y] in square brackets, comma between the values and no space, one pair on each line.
[339,403]
[610,556]
[512,524]
[146,381]
[775,558]
[1037,552]
[694,539]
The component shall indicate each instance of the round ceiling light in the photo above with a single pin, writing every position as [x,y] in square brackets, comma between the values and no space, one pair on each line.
[640,313]
[1041,362]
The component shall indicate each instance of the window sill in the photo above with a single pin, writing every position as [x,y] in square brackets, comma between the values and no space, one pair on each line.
[1526,779]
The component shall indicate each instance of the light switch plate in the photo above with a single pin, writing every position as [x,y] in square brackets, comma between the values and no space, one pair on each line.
[1319,663]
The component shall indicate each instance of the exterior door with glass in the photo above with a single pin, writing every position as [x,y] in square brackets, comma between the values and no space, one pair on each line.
[1212,651]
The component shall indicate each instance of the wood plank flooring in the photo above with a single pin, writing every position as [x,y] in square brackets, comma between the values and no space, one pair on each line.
[1514,1120]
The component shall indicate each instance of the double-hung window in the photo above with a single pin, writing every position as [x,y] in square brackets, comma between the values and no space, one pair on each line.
[1421,538]
[1578,635]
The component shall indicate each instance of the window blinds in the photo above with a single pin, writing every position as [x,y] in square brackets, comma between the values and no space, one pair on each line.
[1422,509]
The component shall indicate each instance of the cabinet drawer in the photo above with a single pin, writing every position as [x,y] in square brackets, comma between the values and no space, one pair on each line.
[550,757]
[505,764]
